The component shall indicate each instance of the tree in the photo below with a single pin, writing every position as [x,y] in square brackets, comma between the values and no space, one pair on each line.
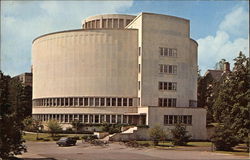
[224,138]
[231,107]
[76,124]
[12,102]
[157,134]
[54,127]
[220,65]
[179,135]
[31,124]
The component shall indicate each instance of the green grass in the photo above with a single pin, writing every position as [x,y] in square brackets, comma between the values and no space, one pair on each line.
[32,137]
[168,143]
[200,144]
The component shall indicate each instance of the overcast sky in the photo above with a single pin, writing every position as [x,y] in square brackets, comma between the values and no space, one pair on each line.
[221,28]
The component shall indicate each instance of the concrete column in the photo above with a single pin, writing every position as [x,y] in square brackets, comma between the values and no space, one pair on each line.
[88,118]
[105,117]
[99,118]
[93,118]
[116,118]
[122,118]
[101,23]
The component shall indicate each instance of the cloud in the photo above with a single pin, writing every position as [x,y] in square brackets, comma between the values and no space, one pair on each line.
[236,22]
[231,37]
[23,21]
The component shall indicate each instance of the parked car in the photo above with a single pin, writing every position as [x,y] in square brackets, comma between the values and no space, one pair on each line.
[66,141]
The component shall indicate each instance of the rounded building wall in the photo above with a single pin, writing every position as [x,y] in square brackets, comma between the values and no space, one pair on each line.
[85,63]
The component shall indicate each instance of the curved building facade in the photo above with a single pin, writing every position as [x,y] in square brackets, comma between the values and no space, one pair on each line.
[124,69]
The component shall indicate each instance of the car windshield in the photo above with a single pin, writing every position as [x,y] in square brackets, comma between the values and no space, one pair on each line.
[63,139]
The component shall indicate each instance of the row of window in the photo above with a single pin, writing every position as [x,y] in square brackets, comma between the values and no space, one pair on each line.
[84,101]
[169,69]
[175,119]
[167,102]
[108,23]
[84,118]
[168,86]
[169,52]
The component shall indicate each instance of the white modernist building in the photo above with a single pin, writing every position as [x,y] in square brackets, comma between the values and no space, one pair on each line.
[119,69]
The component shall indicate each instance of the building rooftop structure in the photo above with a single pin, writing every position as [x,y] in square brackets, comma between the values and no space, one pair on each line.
[25,78]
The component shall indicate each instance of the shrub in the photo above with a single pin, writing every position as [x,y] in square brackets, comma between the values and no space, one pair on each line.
[54,127]
[157,134]
[46,139]
[134,144]
[76,137]
[111,128]
[179,135]
[88,138]
[224,139]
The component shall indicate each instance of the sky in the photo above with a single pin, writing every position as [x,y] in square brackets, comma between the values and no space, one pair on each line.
[221,28]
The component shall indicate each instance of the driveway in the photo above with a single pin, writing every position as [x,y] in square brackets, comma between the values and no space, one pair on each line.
[114,151]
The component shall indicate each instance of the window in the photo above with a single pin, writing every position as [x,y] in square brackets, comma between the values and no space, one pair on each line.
[91,101]
[104,23]
[115,23]
[174,119]
[86,118]
[102,118]
[66,118]
[121,23]
[125,118]
[76,101]
[167,102]
[130,102]
[66,101]
[168,52]
[96,118]
[91,118]
[58,101]
[139,68]
[139,85]
[113,118]
[125,102]
[80,101]
[108,118]
[97,101]
[139,51]
[113,101]
[160,85]
[71,101]
[62,101]
[86,102]
[108,101]
[80,118]
[119,119]
[102,101]
[119,101]
[169,69]
[70,118]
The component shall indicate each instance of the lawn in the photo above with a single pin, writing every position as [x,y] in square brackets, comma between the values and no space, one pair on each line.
[47,136]
[168,143]
[238,150]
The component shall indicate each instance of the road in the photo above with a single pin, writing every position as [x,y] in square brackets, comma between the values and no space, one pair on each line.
[114,151]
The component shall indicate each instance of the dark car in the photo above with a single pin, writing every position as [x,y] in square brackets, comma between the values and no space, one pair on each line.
[66,141]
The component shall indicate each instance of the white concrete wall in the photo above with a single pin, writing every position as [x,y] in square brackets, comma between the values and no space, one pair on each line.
[85,63]
[171,32]
[197,129]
